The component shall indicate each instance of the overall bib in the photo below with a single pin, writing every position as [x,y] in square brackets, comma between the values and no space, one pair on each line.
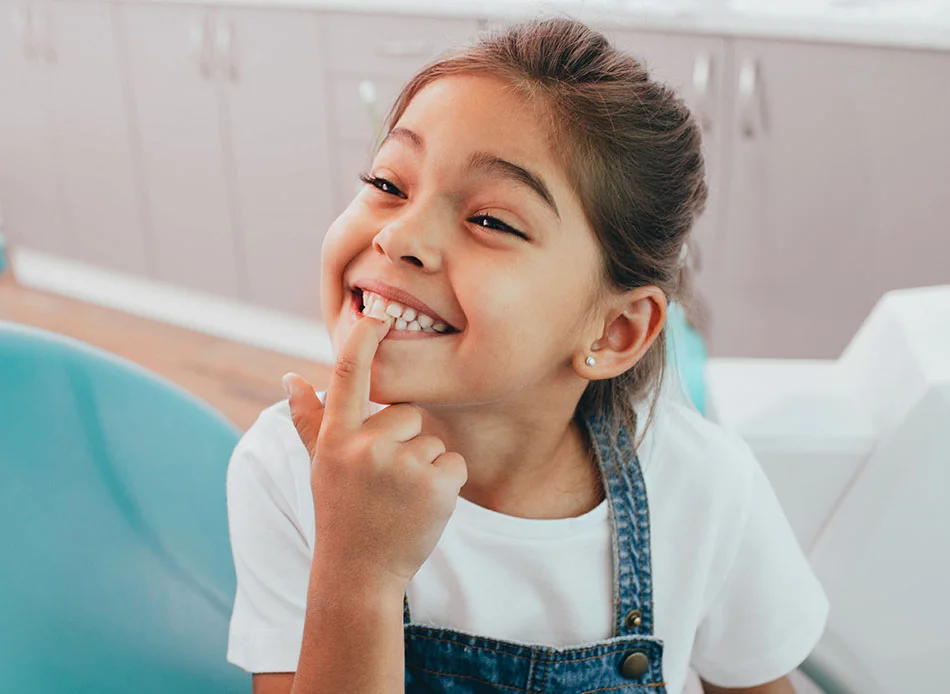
[442,660]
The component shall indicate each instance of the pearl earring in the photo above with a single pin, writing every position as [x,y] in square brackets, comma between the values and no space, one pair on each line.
[589,361]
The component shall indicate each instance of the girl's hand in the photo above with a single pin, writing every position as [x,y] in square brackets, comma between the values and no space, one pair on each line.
[383,493]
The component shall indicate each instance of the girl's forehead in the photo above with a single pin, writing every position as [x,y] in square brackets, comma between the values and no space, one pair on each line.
[482,110]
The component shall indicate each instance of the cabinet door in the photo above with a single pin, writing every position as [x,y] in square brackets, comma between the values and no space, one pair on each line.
[30,186]
[276,100]
[102,202]
[695,67]
[175,98]
[397,46]
[840,172]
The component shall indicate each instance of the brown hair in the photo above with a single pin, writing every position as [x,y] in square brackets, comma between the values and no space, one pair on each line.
[632,151]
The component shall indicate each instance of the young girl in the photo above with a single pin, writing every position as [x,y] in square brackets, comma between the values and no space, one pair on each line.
[516,519]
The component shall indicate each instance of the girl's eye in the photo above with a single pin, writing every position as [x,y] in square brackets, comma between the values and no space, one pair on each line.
[489,222]
[382,184]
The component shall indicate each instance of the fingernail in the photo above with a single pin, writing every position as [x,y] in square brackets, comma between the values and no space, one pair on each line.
[288,383]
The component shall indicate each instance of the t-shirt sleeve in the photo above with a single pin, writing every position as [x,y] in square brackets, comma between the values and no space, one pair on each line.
[271,555]
[770,610]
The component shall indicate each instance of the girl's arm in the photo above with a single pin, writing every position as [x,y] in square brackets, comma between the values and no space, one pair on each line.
[779,686]
[353,642]
[353,638]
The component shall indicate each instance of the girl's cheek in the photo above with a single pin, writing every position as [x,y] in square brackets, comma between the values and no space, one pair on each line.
[331,241]
[346,238]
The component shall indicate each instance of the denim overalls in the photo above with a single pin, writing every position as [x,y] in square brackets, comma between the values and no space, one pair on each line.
[442,660]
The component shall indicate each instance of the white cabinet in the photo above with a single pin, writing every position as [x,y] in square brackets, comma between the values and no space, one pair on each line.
[67,176]
[276,105]
[101,195]
[30,184]
[840,167]
[232,113]
[174,88]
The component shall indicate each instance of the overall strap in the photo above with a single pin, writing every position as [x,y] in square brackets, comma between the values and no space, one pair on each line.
[630,525]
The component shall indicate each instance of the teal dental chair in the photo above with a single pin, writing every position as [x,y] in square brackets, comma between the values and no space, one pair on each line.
[116,571]
[686,350]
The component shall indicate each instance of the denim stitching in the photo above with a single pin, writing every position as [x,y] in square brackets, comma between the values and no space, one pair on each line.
[624,643]
[607,655]
[530,678]
[547,673]
[622,686]
[465,677]
[487,649]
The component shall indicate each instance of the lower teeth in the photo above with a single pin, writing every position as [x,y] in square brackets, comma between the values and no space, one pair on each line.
[399,323]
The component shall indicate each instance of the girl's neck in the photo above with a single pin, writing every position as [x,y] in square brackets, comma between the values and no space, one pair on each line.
[542,467]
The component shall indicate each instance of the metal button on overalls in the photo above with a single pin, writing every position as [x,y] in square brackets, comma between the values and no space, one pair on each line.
[634,619]
[634,665]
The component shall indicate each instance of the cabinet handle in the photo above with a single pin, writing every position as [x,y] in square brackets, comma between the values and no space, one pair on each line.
[404,49]
[224,43]
[748,97]
[370,100]
[702,72]
[22,29]
[198,35]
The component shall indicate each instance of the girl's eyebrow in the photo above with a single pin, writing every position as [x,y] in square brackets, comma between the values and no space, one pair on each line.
[486,163]
[496,166]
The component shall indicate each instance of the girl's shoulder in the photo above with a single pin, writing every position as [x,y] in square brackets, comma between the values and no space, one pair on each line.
[684,450]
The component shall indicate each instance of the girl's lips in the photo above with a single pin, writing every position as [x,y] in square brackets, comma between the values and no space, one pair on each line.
[393,334]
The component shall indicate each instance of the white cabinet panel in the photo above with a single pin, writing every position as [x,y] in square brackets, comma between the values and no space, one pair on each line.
[367,44]
[175,97]
[30,185]
[276,102]
[89,112]
[840,167]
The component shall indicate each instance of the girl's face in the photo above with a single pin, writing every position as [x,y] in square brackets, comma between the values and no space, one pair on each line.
[467,211]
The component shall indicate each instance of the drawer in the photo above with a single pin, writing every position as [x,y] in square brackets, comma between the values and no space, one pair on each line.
[397,46]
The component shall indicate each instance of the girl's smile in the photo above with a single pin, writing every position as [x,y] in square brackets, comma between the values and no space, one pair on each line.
[408,325]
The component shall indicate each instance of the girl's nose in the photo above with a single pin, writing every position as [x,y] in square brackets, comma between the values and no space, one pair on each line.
[410,241]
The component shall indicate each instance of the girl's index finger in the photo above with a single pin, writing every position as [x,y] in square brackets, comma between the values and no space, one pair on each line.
[348,394]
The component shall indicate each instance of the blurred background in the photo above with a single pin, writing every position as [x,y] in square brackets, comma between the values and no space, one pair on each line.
[168,170]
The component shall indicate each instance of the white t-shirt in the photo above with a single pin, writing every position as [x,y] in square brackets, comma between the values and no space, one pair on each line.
[734,597]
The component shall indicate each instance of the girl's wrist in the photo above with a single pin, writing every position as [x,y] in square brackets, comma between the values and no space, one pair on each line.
[343,585]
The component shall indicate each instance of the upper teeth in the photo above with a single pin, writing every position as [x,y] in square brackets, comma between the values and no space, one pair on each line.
[406,318]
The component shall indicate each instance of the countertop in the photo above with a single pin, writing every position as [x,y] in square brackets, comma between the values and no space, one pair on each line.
[922,24]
